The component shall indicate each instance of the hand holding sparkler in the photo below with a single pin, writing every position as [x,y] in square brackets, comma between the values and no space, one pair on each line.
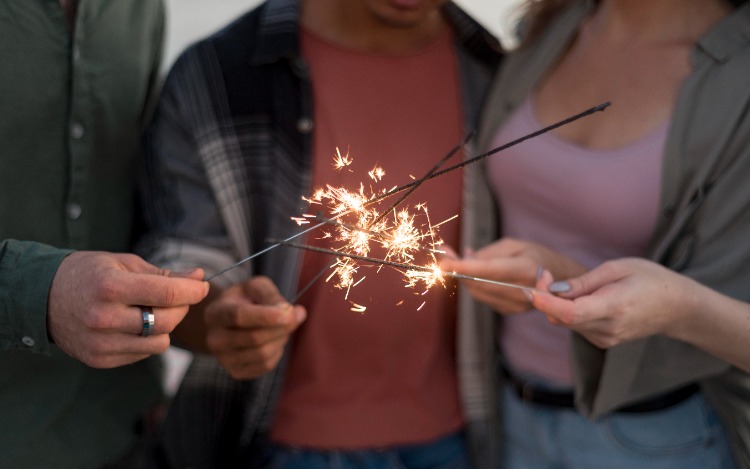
[623,300]
[91,312]
[248,326]
[510,261]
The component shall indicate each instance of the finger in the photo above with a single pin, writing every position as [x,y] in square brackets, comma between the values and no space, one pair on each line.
[502,269]
[571,313]
[153,290]
[233,314]
[195,274]
[585,284]
[221,339]
[251,363]
[107,350]
[563,310]
[508,303]
[165,319]
[544,280]
[262,290]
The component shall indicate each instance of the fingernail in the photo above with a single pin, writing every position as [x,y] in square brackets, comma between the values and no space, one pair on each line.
[539,272]
[529,295]
[559,287]
[187,272]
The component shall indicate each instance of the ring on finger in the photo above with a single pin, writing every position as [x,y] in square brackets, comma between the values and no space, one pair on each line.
[148,318]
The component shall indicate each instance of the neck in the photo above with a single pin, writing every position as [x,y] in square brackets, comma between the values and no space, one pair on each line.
[356,25]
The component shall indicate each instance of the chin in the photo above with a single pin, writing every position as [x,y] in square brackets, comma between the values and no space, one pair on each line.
[403,13]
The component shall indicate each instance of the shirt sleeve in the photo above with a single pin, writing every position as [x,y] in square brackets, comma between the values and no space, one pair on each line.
[184,224]
[26,272]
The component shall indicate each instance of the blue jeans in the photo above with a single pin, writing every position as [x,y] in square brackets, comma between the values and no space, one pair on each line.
[445,453]
[687,435]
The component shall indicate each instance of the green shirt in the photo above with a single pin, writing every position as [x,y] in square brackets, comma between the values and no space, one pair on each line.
[72,107]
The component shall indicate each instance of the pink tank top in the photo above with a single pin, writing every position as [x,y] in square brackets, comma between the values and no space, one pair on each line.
[385,376]
[587,204]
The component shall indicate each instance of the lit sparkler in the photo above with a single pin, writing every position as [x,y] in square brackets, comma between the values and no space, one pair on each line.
[430,275]
[358,227]
[411,186]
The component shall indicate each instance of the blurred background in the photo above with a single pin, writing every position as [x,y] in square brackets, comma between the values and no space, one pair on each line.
[191,20]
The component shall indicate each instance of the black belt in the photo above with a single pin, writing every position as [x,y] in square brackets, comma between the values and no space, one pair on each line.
[532,393]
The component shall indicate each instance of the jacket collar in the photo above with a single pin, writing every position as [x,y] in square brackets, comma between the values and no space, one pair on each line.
[728,36]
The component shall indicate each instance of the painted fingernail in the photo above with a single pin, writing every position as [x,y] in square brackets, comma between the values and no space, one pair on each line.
[559,287]
[529,295]
[539,272]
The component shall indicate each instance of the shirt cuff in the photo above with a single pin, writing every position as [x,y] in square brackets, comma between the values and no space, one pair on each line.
[26,272]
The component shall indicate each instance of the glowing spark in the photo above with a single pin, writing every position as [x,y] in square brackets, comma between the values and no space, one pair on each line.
[376,173]
[341,161]
[358,308]
[358,228]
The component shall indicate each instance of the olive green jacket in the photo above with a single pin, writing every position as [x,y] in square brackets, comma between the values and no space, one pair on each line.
[703,230]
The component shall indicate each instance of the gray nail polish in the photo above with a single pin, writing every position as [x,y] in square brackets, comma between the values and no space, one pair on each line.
[559,287]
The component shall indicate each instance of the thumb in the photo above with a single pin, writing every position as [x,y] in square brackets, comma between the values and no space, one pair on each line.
[584,284]
[194,274]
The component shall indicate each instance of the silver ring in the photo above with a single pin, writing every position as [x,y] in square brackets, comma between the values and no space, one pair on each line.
[147,314]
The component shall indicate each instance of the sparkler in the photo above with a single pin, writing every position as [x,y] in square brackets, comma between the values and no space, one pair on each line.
[400,235]
[429,274]
[433,173]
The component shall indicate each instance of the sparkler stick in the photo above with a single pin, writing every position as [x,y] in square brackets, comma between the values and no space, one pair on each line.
[415,184]
[401,265]
[429,173]
[515,142]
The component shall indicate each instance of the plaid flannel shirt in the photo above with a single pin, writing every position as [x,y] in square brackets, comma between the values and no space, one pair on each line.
[228,158]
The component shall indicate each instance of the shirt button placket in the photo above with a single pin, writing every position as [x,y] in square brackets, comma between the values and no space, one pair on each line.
[76,131]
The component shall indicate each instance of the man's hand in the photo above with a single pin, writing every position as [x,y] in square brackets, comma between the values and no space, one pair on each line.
[93,313]
[249,325]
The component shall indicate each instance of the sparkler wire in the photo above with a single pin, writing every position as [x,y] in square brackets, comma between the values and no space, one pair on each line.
[415,184]
[429,173]
[515,142]
[399,265]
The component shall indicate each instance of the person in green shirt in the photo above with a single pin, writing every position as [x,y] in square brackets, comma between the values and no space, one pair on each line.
[78,317]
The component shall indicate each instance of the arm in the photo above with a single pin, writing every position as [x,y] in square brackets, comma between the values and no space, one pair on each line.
[627,299]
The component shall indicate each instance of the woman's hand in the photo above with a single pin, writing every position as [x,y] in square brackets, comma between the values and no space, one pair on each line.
[619,301]
[511,261]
